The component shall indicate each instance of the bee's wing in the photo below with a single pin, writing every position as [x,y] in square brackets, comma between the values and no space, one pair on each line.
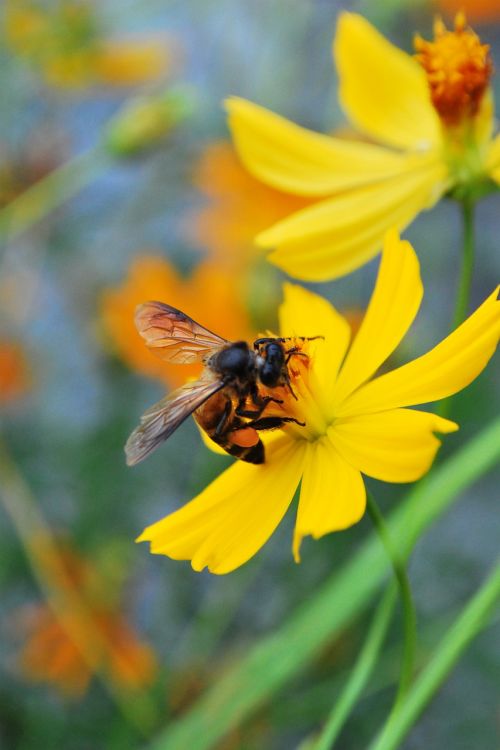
[173,336]
[164,417]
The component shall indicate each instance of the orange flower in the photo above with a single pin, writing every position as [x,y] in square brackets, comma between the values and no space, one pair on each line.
[239,206]
[66,46]
[52,652]
[210,295]
[476,10]
[14,377]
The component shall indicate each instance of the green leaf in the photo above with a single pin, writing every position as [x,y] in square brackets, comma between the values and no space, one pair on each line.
[278,658]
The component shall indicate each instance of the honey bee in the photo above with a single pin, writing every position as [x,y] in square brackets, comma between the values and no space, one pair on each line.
[226,401]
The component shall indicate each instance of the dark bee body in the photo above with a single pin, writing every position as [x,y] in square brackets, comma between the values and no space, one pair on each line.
[226,401]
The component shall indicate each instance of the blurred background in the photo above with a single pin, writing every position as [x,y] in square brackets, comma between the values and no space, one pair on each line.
[121,101]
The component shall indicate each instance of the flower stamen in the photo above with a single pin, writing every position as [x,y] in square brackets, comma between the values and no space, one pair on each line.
[458,69]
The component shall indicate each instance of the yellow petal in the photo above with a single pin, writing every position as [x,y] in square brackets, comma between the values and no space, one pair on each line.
[493,160]
[394,446]
[296,160]
[304,313]
[338,235]
[132,62]
[383,90]
[446,369]
[392,309]
[227,523]
[332,495]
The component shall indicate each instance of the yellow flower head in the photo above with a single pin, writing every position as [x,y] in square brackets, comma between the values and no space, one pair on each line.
[52,652]
[362,189]
[355,423]
[153,277]
[458,69]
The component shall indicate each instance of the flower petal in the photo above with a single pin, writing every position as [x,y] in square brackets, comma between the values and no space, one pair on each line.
[493,160]
[394,446]
[304,313]
[446,369]
[340,234]
[332,495]
[296,160]
[227,523]
[392,309]
[383,90]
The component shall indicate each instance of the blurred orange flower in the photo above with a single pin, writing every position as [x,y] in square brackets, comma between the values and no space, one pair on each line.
[477,11]
[14,374]
[210,295]
[52,652]
[238,206]
[67,47]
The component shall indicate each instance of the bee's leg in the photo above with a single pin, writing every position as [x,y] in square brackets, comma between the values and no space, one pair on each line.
[260,402]
[294,352]
[272,423]
[223,419]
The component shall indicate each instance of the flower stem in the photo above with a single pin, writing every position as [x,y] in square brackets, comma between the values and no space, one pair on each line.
[464,284]
[360,673]
[51,191]
[463,293]
[409,616]
[445,656]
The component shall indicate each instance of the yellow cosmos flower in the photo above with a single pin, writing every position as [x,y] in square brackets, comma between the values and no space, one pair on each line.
[432,116]
[355,423]
[66,46]
[153,277]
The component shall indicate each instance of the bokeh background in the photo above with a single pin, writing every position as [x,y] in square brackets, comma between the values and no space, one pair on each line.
[139,217]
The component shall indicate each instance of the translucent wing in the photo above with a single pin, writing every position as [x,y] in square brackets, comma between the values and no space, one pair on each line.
[173,336]
[164,417]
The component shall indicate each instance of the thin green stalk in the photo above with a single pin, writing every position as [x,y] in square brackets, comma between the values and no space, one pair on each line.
[409,616]
[361,672]
[446,655]
[51,191]
[464,284]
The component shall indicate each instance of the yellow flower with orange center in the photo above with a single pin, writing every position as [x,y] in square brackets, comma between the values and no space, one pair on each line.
[210,294]
[433,120]
[355,423]
[65,45]
[52,653]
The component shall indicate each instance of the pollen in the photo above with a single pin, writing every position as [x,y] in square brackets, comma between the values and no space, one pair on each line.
[458,69]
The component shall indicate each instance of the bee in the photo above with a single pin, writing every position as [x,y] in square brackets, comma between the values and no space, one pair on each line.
[226,401]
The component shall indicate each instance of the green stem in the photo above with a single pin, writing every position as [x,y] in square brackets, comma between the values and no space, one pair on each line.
[51,191]
[361,672]
[464,285]
[446,654]
[463,293]
[409,616]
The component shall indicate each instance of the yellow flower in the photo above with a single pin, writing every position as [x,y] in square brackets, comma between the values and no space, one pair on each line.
[51,655]
[355,423]
[152,277]
[66,46]
[433,120]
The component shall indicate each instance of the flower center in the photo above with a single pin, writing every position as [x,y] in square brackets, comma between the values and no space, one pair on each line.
[307,405]
[458,69]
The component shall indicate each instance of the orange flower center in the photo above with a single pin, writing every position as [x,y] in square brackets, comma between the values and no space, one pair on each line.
[458,69]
